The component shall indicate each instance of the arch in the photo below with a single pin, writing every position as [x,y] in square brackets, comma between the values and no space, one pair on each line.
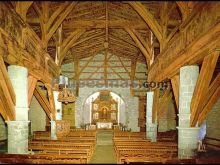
[121,113]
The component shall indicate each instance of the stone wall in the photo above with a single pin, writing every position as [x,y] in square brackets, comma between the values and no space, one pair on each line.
[3,129]
[129,116]
[212,123]
[37,116]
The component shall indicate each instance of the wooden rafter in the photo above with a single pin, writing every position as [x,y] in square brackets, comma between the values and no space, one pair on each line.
[49,25]
[164,22]
[57,21]
[210,98]
[7,80]
[93,24]
[32,81]
[205,76]
[3,111]
[22,8]
[175,86]
[67,43]
[51,100]
[148,18]
[143,41]
[43,101]
[184,9]
[7,104]
[137,41]
[209,105]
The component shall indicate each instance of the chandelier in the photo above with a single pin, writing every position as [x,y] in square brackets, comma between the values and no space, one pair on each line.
[65,94]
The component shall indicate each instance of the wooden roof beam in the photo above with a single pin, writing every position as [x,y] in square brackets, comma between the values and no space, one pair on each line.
[148,18]
[68,43]
[22,8]
[101,24]
[140,45]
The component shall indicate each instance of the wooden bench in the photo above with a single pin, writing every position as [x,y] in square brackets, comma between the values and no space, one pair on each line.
[147,154]
[118,135]
[144,151]
[213,143]
[41,159]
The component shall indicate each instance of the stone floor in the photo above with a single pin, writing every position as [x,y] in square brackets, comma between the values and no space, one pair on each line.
[104,151]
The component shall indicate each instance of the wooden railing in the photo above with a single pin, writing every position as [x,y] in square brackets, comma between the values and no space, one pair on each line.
[20,44]
[205,18]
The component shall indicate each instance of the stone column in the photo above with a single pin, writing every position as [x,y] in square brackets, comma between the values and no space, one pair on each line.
[53,130]
[58,106]
[151,128]
[19,79]
[187,136]
[17,137]
[18,129]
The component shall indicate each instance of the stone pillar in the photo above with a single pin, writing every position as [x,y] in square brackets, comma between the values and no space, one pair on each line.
[187,136]
[151,128]
[58,106]
[17,137]
[53,130]
[19,79]
[18,129]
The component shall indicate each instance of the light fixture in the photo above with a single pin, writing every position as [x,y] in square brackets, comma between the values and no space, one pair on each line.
[65,94]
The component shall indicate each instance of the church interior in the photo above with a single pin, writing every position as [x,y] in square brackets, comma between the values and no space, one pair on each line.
[111,82]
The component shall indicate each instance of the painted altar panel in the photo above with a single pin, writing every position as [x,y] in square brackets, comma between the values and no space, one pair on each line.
[104,109]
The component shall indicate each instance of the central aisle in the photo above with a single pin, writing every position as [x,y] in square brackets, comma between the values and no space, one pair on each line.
[104,151]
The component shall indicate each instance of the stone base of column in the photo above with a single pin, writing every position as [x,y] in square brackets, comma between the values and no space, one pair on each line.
[53,133]
[18,137]
[151,132]
[187,142]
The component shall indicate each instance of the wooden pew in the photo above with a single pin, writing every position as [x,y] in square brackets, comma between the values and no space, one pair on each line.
[40,159]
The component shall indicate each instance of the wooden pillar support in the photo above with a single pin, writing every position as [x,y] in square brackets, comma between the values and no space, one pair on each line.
[201,89]
[175,80]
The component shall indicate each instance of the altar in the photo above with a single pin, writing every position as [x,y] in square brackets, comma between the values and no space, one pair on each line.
[104,111]
[104,125]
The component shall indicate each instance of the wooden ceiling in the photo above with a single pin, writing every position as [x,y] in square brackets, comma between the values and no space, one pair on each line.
[78,29]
